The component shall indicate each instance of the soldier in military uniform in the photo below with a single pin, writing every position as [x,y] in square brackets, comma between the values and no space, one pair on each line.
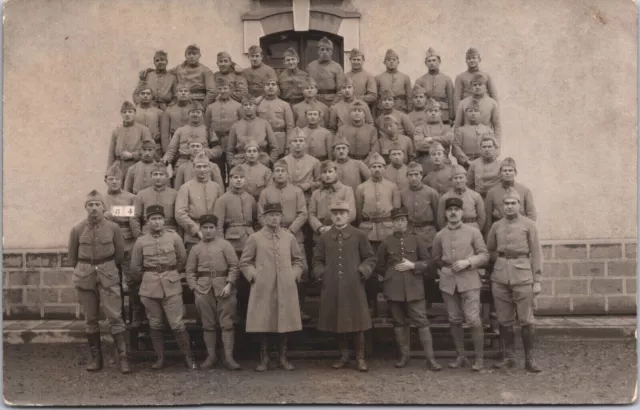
[339,113]
[251,128]
[438,85]
[395,81]
[387,107]
[211,273]
[278,113]
[273,264]
[351,172]
[175,116]
[157,194]
[230,72]
[396,171]
[439,178]
[162,82]
[147,114]
[187,171]
[473,212]
[327,74]
[343,261]
[197,76]
[126,140]
[365,87]
[467,137]
[318,137]
[489,112]
[393,139]
[157,257]
[139,175]
[418,113]
[459,250]
[362,137]
[304,170]
[257,74]
[463,88]
[402,260]
[375,198]
[484,172]
[514,245]
[292,79]
[310,91]
[433,130]
[257,175]
[421,202]
[96,251]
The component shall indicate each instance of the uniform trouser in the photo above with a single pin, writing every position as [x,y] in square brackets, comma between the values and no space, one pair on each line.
[242,295]
[512,299]
[171,306]
[111,300]
[372,285]
[216,311]
[403,313]
[463,307]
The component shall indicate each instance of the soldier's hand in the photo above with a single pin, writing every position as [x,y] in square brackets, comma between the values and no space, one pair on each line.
[199,234]
[323,229]
[237,69]
[405,265]
[126,155]
[226,291]
[460,265]
[108,215]
[537,288]
[145,72]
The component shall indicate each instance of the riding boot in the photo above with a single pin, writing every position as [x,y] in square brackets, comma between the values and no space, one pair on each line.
[508,340]
[264,354]
[477,334]
[360,347]
[427,345]
[343,346]
[401,340]
[284,363]
[121,345]
[184,343]
[457,333]
[527,341]
[96,352]
[210,343]
[228,341]
[157,340]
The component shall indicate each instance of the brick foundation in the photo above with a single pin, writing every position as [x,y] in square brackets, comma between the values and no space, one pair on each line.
[582,277]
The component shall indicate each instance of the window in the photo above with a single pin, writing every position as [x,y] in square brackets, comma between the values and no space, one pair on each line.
[304,42]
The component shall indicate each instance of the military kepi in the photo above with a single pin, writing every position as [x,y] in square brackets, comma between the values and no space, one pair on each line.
[453,202]
[155,210]
[208,219]
[339,205]
[272,207]
[398,212]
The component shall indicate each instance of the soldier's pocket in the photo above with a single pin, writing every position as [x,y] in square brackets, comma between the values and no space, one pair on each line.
[108,274]
[203,284]
[366,227]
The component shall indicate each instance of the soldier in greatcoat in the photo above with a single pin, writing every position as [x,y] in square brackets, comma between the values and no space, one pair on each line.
[156,259]
[126,140]
[273,263]
[458,251]
[438,85]
[292,79]
[514,246]
[162,82]
[343,261]
[327,74]
[402,260]
[395,81]
[258,72]
[96,250]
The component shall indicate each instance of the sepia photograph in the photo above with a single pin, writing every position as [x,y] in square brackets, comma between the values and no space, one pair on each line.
[217,202]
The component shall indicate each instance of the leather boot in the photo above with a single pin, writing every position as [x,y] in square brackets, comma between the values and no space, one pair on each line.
[134,334]
[264,354]
[184,343]
[508,339]
[477,334]
[343,346]
[360,345]
[157,340]
[96,352]
[228,341]
[210,343]
[427,345]
[121,345]
[527,341]
[457,333]
[401,340]
[284,363]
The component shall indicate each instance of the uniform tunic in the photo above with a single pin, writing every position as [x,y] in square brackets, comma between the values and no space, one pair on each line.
[304,172]
[462,88]
[139,176]
[195,199]
[122,198]
[472,208]
[374,202]
[343,260]
[439,132]
[365,86]
[482,176]
[422,204]
[95,252]
[255,129]
[179,145]
[319,142]
[294,207]
[386,144]
[279,115]
[418,116]
[173,118]
[440,87]
[489,113]
[352,172]
[494,207]
[257,177]
[440,178]
[405,126]
[237,214]
[400,84]
[300,109]
[323,197]
[361,138]
[127,138]
[237,83]
[163,86]
[340,114]
[272,263]
[150,118]
[256,78]
[210,266]
[220,117]
[187,172]
[329,76]
[397,175]
[199,79]
[291,84]
[151,196]
[467,139]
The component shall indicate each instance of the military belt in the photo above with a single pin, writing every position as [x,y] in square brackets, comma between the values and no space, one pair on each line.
[160,268]
[120,159]
[513,255]
[184,156]
[469,220]
[377,219]
[326,91]
[97,261]
[123,224]
[359,157]
[238,223]
[422,224]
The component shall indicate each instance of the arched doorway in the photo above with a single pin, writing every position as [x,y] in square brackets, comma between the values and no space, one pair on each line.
[304,42]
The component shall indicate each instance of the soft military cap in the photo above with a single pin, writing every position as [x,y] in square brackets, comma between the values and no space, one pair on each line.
[325,42]
[159,167]
[414,167]
[387,94]
[432,53]
[375,158]
[511,193]
[355,53]
[160,53]
[357,105]
[432,103]
[237,170]
[127,105]
[94,196]
[436,146]
[223,54]
[149,144]
[281,164]
[255,50]
[457,170]
[195,105]
[251,143]
[391,53]
[473,52]
[328,164]
[248,98]
[340,141]
[478,78]
[509,162]
[113,171]
[418,89]
[291,52]
[192,47]
[222,81]
[201,158]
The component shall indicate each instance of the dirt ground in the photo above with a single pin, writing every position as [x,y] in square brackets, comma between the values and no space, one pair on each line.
[575,372]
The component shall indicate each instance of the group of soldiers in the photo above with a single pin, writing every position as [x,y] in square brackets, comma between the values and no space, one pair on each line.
[251,184]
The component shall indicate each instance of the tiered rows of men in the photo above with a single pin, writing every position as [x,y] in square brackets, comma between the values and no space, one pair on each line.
[283,179]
